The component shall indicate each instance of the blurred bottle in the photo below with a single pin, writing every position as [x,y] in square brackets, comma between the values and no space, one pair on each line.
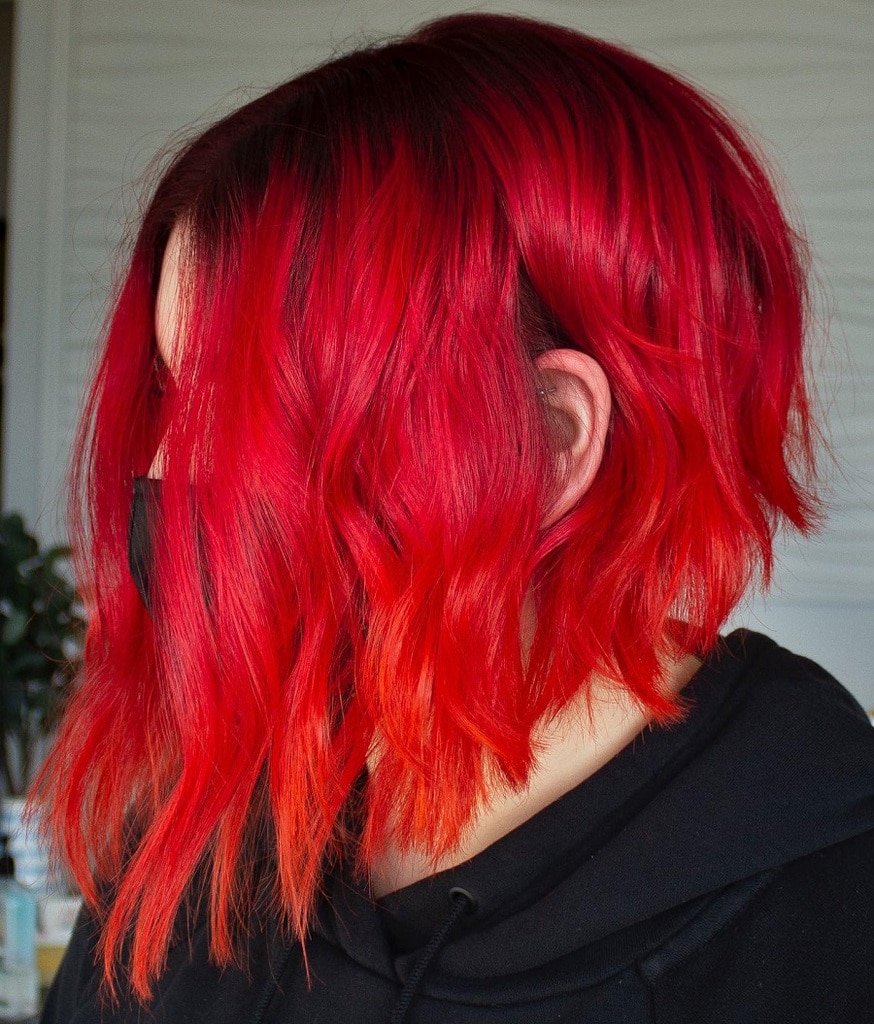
[19,986]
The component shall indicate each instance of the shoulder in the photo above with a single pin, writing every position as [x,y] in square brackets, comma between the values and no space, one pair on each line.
[824,902]
[799,948]
[837,885]
[794,707]
[758,660]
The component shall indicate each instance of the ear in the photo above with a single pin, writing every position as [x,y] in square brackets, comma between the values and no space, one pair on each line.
[578,396]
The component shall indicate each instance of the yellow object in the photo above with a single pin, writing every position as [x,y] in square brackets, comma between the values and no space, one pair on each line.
[48,959]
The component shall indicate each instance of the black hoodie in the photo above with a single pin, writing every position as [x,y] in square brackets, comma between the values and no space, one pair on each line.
[717,871]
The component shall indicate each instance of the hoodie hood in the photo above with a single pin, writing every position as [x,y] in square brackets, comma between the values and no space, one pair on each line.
[775,760]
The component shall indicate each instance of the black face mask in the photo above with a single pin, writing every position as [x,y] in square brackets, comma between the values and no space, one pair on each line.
[141,527]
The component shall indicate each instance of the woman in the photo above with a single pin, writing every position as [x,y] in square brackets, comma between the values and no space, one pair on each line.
[450,402]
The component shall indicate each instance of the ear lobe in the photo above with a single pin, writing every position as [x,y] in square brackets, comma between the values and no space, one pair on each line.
[579,408]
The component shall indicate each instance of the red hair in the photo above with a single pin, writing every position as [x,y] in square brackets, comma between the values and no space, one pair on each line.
[358,464]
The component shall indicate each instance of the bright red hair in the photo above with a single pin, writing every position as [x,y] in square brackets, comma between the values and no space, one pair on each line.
[358,463]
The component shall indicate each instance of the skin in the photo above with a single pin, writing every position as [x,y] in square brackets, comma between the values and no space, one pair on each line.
[167,326]
[573,745]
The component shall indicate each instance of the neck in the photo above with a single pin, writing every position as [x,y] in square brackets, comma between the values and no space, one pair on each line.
[571,747]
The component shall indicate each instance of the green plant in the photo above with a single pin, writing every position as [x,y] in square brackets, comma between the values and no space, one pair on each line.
[41,626]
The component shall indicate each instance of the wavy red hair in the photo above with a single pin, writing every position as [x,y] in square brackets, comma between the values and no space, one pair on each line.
[357,462]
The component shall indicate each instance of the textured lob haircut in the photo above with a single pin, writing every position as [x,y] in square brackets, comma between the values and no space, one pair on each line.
[357,463]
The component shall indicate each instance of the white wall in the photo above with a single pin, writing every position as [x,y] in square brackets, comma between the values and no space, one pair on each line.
[101,85]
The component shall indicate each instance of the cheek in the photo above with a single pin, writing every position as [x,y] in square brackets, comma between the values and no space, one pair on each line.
[157,467]
[167,303]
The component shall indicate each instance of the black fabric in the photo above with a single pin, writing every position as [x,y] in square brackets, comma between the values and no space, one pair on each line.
[718,870]
[141,525]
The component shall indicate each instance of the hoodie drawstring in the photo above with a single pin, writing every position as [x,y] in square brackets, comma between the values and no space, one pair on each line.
[463,903]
